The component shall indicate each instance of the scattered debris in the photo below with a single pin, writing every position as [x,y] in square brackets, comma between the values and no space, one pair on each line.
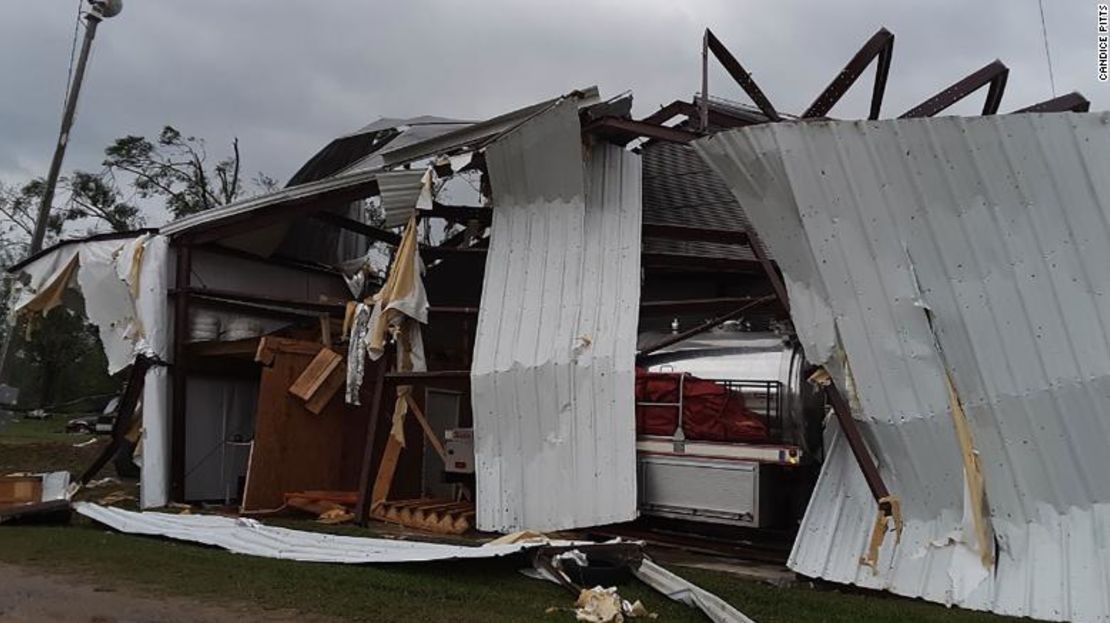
[34,497]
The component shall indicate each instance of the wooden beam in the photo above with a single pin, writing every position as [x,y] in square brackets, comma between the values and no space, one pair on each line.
[430,434]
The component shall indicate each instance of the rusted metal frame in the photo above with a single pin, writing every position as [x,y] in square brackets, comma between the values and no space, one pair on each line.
[1073,102]
[769,269]
[458,213]
[740,75]
[317,307]
[136,380]
[698,263]
[629,128]
[685,335]
[269,215]
[254,309]
[272,260]
[667,307]
[703,101]
[697,234]
[994,74]
[691,111]
[179,371]
[335,308]
[388,237]
[880,46]
[855,441]
[358,227]
[366,475]
[666,113]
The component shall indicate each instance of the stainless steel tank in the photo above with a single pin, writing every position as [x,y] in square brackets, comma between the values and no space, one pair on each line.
[767,367]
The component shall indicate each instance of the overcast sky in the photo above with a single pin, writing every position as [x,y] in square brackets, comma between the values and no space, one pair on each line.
[286,77]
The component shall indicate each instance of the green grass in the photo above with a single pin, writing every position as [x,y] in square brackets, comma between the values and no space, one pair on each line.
[488,590]
[49,430]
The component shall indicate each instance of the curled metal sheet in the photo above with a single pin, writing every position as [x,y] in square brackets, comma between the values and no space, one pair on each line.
[969,247]
[554,355]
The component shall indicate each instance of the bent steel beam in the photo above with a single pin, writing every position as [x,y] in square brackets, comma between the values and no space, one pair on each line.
[880,46]
[994,74]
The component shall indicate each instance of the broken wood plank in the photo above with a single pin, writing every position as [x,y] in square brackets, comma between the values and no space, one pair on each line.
[322,365]
[384,481]
[428,432]
[324,394]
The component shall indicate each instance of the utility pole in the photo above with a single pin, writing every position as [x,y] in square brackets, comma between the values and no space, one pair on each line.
[100,10]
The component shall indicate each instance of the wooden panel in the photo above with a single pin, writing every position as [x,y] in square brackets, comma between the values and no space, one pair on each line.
[17,490]
[294,449]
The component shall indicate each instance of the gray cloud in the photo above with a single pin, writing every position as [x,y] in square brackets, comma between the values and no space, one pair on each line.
[286,77]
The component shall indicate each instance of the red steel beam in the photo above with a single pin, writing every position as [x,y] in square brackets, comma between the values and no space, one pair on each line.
[994,74]
[740,75]
[1073,102]
[880,46]
[628,128]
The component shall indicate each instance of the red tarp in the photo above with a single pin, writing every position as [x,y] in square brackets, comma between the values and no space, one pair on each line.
[710,412]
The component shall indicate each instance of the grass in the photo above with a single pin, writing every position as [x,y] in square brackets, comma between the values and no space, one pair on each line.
[484,590]
[489,590]
[48,430]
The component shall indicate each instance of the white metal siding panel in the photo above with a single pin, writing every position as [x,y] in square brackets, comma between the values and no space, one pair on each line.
[1000,226]
[553,373]
[399,191]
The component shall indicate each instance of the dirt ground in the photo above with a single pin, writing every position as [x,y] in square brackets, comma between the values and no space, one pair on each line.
[29,596]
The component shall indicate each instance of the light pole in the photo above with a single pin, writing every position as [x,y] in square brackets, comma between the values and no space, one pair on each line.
[100,10]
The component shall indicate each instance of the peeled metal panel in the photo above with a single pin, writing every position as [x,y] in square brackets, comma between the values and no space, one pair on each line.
[241,535]
[553,373]
[1000,227]
[399,191]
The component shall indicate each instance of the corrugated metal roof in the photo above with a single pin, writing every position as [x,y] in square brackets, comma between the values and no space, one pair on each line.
[553,373]
[478,132]
[399,191]
[433,139]
[284,196]
[1000,227]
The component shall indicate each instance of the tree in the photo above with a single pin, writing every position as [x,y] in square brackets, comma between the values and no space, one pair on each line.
[176,167]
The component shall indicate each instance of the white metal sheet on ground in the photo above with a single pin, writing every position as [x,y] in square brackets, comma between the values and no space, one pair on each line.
[247,536]
[553,372]
[1000,227]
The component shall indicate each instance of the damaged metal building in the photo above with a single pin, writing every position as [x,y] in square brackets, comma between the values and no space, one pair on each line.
[620,316]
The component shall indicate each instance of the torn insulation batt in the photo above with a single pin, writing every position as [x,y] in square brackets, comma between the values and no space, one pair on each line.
[974,249]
